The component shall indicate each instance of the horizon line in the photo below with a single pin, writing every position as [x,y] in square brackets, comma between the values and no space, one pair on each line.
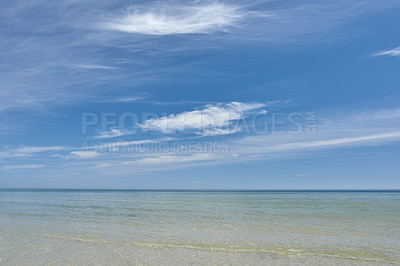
[209,190]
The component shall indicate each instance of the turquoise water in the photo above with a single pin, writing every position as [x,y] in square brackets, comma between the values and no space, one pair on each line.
[221,228]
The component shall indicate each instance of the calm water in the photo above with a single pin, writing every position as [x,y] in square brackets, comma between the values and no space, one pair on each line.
[219,228]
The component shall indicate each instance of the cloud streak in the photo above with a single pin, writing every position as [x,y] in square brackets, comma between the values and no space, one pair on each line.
[68,59]
[393,52]
[329,143]
[86,154]
[360,129]
[167,20]
[168,159]
[29,151]
[21,167]
[112,133]
[211,120]
[93,66]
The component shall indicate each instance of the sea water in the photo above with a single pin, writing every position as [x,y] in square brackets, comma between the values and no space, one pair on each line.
[76,227]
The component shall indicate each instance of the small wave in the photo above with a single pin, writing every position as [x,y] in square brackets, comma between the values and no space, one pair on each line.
[337,253]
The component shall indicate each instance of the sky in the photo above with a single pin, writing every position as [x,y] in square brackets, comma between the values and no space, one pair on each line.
[200,94]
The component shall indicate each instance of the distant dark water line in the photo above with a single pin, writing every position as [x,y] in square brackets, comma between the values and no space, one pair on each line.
[205,190]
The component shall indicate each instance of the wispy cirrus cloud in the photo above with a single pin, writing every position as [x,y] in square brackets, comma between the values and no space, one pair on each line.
[170,19]
[211,120]
[112,133]
[138,97]
[21,167]
[12,157]
[85,66]
[86,154]
[35,149]
[29,151]
[258,146]
[168,159]
[130,99]
[37,73]
[335,132]
[392,52]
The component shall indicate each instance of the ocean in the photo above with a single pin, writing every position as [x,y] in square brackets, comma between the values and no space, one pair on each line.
[99,227]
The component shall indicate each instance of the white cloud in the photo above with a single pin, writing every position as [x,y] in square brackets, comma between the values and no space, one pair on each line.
[211,120]
[393,52]
[86,154]
[126,99]
[360,129]
[112,133]
[337,142]
[164,20]
[24,88]
[129,99]
[335,131]
[168,159]
[219,131]
[21,167]
[93,66]
[28,151]
[34,149]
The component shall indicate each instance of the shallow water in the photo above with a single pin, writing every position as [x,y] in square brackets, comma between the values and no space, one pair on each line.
[55,227]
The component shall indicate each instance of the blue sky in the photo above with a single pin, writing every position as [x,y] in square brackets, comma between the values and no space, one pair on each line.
[212,94]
